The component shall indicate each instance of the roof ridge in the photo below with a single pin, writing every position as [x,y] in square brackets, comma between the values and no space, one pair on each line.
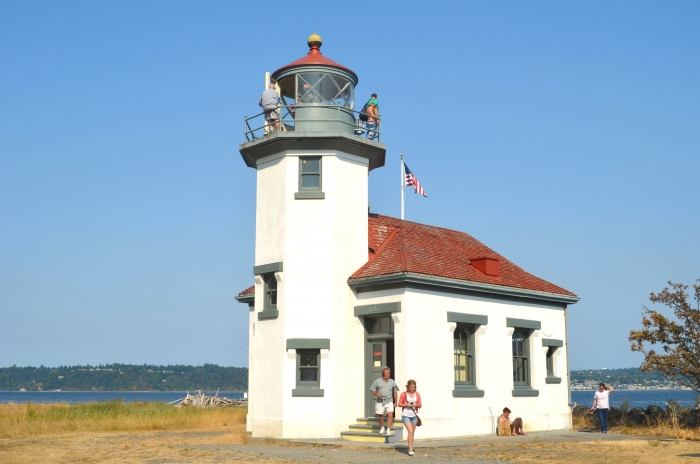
[380,249]
[377,215]
[402,251]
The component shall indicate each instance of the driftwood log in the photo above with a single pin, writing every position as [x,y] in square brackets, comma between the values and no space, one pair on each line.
[201,400]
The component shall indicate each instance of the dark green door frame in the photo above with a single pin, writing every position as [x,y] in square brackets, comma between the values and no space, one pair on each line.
[379,352]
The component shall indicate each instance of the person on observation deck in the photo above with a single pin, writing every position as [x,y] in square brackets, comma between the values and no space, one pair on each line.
[269,102]
[372,116]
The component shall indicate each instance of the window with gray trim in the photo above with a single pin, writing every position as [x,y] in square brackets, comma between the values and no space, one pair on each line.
[550,360]
[464,356]
[521,358]
[270,291]
[310,174]
[308,368]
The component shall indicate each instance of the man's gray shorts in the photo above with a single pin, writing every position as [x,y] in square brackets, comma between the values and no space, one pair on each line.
[273,115]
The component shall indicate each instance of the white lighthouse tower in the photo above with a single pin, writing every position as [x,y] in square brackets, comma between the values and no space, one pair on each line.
[311,235]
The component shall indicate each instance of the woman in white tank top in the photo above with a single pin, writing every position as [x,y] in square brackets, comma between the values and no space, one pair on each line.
[410,402]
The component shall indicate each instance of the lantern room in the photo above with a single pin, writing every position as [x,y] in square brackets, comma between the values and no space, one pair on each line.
[317,95]
[316,80]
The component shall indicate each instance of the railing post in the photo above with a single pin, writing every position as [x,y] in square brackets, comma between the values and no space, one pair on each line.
[245,134]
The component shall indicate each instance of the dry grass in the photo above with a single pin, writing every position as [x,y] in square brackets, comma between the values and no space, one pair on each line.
[604,452]
[661,430]
[19,420]
[661,427]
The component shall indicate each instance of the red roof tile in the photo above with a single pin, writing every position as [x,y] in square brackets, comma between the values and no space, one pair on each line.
[248,290]
[434,251]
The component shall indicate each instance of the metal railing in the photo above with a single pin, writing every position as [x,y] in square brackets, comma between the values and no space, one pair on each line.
[256,126]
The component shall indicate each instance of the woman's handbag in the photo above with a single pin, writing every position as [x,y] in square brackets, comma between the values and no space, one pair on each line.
[418,421]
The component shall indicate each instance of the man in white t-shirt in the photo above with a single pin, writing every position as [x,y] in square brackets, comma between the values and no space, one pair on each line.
[601,404]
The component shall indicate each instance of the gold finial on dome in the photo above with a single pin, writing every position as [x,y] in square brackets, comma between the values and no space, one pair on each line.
[314,40]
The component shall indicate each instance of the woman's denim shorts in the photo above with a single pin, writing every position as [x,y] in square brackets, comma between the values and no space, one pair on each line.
[412,420]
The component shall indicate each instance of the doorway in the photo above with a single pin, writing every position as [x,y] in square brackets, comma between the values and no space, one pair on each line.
[379,352]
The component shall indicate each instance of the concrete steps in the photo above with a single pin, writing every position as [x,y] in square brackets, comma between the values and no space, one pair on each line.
[367,430]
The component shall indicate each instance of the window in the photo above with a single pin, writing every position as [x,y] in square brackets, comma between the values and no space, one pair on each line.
[380,325]
[521,367]
[552,345]
[464,360]
[463,356]
[550,361]
[308,364]
[308,368]
[270,283]
[310,174]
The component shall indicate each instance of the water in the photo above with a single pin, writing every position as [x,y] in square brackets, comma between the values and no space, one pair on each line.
[86,397]
[639,398]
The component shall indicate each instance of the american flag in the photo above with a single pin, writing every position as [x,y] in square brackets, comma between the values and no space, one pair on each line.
[411,180]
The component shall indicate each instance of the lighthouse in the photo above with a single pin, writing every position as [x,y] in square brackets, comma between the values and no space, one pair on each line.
[310,236]
[341,293]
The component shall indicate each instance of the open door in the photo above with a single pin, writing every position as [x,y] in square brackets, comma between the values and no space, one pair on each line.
[379,353]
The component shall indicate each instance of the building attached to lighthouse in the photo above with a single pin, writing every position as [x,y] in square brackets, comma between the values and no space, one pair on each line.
[340,292]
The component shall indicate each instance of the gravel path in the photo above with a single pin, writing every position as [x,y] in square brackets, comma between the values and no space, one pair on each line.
[345,454]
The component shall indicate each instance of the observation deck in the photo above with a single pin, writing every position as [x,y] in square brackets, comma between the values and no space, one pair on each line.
[316,112]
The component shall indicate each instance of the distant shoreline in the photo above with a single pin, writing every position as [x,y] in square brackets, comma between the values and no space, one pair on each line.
[121,391]
[634,390]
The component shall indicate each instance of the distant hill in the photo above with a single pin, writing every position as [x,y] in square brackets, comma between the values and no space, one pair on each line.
[124,377]
[630,375]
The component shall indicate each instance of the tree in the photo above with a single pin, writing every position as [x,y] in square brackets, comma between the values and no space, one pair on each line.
[679,339]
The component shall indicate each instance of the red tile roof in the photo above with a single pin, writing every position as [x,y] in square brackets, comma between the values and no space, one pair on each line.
[248,290]
[397,246]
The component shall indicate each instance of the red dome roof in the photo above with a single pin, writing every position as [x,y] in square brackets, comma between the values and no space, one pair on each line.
[314,57]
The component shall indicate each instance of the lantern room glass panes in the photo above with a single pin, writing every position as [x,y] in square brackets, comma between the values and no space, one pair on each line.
[463,356]
[520,358]
[324,88]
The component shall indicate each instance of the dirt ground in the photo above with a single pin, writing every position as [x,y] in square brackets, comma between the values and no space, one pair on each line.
[225,446]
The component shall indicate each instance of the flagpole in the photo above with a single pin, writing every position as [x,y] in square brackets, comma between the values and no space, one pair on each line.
[403,185]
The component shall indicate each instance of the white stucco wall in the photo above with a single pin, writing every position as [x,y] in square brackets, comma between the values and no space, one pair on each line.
[424,352]
[320,243]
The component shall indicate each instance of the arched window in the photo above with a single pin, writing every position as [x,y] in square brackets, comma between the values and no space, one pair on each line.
[463,357]
[520,358]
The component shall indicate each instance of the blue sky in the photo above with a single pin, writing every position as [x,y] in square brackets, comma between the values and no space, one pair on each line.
[564,136]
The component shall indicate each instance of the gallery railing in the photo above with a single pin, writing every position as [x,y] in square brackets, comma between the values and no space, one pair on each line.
[313,118]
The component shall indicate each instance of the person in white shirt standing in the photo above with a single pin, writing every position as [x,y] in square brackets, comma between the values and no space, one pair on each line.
[601,404]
